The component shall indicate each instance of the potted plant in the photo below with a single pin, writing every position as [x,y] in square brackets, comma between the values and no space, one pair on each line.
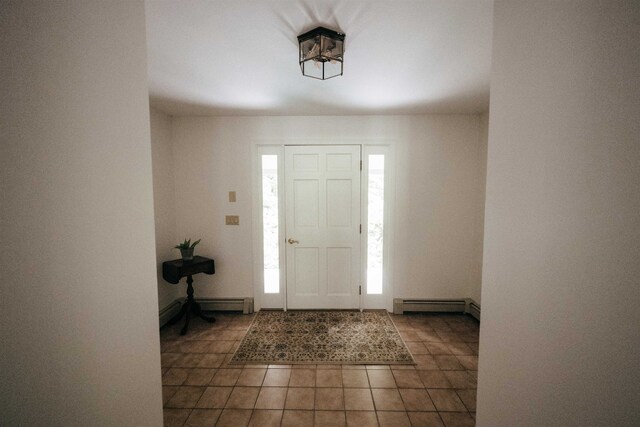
[186,249]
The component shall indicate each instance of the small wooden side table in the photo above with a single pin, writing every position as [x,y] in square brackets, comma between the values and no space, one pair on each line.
[173,271]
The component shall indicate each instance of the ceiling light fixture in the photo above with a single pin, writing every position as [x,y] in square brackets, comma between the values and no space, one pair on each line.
[321,53]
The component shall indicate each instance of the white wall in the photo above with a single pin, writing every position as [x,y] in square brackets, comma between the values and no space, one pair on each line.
[559,339]
[78,302]
[164,206]
[481,191]
[438,213]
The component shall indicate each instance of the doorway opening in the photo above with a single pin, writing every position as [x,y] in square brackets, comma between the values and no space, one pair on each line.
[323,217]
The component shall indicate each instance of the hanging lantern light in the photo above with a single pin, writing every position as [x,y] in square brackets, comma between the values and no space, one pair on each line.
[321,53]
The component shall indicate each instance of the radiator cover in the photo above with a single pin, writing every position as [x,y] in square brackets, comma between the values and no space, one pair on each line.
[456,305]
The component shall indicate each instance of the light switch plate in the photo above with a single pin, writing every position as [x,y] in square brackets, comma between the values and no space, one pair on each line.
[232,196]
[232,220]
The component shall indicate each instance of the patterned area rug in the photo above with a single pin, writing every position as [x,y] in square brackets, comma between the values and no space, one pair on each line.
[298,337]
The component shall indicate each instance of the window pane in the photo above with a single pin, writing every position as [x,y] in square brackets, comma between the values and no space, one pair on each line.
[270,224]
[375,213]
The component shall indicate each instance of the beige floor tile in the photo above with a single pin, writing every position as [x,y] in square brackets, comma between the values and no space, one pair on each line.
[214,397]
[271,398]
[407,379]
[266,418]
[189,360]
[300,398]
[175,376]
[428,336]
[329,399]
[203,417]
[230,335]
[387,399]
[393,419]
[234,418]
[175,417]
[468,397]
[243,398]
[302,378]
[170,346]
[460,348]
[409,336]
[297,418]
[361,419]
[211,361]
[403,367]
[461,379]
[200,376]
[469,362]
[425,361]
[474,347]
[446,400]
[329,419]
[358,399]
[425,419]
[354,378]
[379,378]
[470,337]
[435,379]
[447,336]
[185,397]
[437,348]
[276,378]
[416,347]
[226,377]
[416,399]
[328,378]
[195,346]
[220,346]
[200,358]
[251,377]
[226,363]
[448,363]
[168,392]
[457,419]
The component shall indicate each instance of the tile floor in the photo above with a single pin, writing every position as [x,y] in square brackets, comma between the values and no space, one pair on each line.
[200,388]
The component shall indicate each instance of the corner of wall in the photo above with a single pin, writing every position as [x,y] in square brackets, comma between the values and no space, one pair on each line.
[163,200]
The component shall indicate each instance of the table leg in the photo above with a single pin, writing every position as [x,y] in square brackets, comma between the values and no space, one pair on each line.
[189,304]
[198,311]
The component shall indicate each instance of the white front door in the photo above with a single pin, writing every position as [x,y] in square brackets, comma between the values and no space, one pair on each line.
[322,186]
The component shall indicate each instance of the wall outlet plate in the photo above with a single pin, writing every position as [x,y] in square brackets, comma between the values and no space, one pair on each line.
[232,220]
[232,196]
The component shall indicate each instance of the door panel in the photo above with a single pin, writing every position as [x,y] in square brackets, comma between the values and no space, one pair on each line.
[322,185]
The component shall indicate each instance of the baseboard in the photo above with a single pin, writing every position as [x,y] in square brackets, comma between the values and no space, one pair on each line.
[170,310]
[245,305]
[456,305]
[473,308]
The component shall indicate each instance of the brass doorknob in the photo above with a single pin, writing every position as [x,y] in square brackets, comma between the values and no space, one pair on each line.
[291,241]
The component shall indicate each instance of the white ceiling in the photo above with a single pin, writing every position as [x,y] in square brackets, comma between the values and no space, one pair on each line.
[240,57]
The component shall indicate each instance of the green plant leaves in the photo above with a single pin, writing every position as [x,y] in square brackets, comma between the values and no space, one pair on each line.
[187,244]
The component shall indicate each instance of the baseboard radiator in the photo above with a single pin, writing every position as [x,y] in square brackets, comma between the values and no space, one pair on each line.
[461,305]
[245,305]
[170,310]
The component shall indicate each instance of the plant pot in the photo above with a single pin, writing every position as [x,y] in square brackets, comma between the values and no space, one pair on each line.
[187,254]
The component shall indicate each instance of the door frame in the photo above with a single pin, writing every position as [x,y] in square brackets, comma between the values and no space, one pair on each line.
[279,301]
